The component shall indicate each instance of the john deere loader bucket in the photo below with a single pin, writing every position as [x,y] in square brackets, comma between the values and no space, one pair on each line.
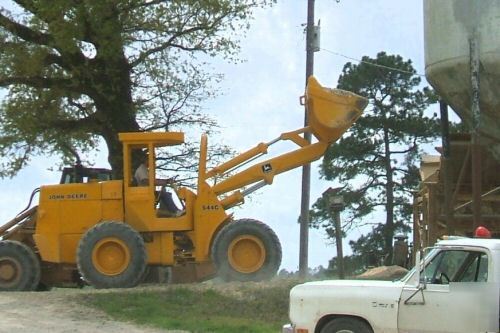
[331,111]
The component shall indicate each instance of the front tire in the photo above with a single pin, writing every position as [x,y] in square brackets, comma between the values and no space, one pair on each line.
[112,255]
[246,250]
[19,267]
[346,325]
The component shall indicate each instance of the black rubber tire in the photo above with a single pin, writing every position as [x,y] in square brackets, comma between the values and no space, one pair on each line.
[242,228]
[134,270]
[346,325]
[20,265]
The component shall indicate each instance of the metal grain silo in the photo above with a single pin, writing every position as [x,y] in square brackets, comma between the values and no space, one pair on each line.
[449,27]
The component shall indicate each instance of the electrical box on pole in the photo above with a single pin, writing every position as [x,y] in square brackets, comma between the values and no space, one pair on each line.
[316,45]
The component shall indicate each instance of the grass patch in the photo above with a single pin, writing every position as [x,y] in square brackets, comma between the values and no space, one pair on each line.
[218,308]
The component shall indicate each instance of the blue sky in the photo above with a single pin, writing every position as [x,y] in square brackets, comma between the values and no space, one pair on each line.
[260,99]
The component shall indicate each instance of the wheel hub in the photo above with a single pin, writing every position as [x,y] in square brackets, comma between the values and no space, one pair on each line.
[10,270]
[246,254]
[111,256]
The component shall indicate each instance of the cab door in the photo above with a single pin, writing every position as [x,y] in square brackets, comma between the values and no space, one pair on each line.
[139,200]
[455,296]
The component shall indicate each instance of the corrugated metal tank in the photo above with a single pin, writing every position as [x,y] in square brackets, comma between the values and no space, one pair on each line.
[449,25]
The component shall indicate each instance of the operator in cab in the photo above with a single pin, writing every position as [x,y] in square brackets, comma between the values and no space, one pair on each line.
[167,205]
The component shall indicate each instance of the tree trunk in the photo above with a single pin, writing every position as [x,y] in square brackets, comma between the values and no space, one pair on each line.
[120,117]
[110,78]
[116,109]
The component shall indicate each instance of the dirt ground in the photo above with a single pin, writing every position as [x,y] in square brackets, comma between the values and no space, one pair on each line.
[384,273]
[57,312]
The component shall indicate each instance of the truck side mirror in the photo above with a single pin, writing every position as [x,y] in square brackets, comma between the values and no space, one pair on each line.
[420,284]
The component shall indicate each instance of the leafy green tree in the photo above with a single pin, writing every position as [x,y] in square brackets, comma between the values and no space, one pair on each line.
[376,159]
[79,71]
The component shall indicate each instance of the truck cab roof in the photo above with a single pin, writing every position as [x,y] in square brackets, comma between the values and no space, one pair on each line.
[492,244]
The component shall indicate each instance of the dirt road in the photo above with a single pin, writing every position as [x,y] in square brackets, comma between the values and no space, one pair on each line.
[56,312]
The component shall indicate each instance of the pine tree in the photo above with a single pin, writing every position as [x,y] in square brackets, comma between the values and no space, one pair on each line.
[376,159]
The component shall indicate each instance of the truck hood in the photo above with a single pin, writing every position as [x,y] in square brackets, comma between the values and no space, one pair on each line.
[309,302]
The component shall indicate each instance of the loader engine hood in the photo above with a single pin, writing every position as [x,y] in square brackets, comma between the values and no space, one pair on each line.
[309,302]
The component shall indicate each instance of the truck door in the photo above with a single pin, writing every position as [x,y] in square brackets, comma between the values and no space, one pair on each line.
[456,296]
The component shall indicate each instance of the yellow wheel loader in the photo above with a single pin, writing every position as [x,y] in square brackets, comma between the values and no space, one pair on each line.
[111,234]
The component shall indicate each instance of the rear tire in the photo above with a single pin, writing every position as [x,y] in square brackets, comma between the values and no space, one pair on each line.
[112,255]
[246,250]
[346,325]
[19,267]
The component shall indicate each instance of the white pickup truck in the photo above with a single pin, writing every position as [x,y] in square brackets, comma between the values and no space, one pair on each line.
[454,289]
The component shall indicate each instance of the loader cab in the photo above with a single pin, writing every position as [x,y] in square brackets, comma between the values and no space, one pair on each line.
[141,198]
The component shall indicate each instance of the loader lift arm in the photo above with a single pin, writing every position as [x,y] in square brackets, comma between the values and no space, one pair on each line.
[330,112]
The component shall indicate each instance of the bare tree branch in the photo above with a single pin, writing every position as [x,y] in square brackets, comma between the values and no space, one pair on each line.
[74,56]
[36,82]
[89,124]
[24,32]
[170,41]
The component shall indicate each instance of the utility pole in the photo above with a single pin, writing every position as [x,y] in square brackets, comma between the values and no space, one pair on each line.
[306,169]
[476,124]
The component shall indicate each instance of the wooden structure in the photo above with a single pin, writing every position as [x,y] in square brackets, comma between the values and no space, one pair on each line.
[432,219]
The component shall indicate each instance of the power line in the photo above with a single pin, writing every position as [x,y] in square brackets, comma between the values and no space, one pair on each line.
[372,63]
